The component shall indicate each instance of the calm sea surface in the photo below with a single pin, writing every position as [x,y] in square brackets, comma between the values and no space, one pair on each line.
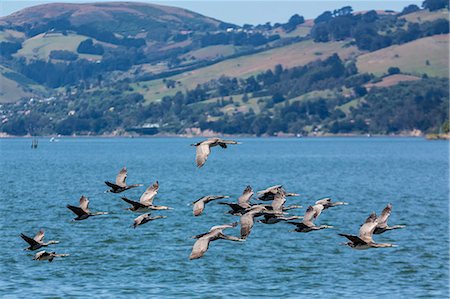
[109,258]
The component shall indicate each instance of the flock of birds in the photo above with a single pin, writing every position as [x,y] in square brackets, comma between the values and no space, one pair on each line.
[273,210]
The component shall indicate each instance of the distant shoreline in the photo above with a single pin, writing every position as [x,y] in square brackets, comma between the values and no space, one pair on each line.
[427,136]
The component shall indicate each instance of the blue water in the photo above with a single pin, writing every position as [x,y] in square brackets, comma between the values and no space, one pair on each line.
[109,258]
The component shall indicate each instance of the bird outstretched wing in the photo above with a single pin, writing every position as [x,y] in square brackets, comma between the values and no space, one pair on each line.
[29,240]
[149,194]
[122,177]
[77,210]
[84,203]
[382,220]
[39,236]
[202,153]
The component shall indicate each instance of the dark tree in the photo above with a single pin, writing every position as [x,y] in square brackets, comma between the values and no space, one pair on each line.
[410,9]
[9,48]
[88,47]
[433,5]
[393,70]
[324,17]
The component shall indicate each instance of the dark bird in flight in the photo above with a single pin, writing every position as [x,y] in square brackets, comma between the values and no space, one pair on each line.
[203,240]
[38,241]
[47,256]
[307,224]
[199,204]
[82,211]
[279,199]
[364,240]
[272,219]
[120,184]
[269,193]
[382,225]
[204,148]
[142,219]
[247,220]
[243,203]
[327,202]
[145,201]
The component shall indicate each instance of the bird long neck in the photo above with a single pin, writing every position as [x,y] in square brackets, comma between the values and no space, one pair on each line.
[382,245]
[324,226]
[50,242]
[291,207]
[98,213]
[60,254]
[161,208]
[395,227]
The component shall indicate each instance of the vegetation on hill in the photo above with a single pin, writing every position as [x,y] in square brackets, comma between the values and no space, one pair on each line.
[344,72]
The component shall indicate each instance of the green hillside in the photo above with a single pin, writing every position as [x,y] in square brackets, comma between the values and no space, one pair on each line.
[427,55]
[39,46]
[292,55]
[110,67]
[15,86]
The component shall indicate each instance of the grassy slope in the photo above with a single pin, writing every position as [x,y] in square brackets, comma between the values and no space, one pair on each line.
[426,15]
[245,66]
[410,57]
[40,46]
[211,52]
[8,35]
[14,86]
[392,80]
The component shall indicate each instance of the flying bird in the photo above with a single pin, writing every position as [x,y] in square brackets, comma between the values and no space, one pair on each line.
[120,184]
[47,256]
[38,241]
[382,225]
[82,211]
[278,201]
[145,201]
[272,219]
[204,148]
[203,240]
[243,203]
[199,204]
[142,219]
[247,220]
[307,224]
[327,202]
[364,240]
[269,193]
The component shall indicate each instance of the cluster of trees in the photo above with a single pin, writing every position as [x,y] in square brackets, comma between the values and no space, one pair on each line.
[419,105]
[433,5]
[236,38]
[109,37]
[422,105]
[63,55]
[9,48]
[370,30]
[58,74]
[87,47]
